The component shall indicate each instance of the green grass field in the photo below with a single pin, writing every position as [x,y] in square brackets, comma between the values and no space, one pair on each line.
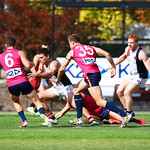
[68,137]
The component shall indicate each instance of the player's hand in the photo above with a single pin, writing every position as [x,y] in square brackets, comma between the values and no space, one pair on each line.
[56,81]
[108,68]
[113,72]
[32,75]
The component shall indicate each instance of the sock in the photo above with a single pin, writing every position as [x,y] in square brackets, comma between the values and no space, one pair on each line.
[35,110]
[106,122]
[42,111]
[114,108]
[129,112]
[91,119]
[50,115]
[21,114]
[125,109]
[32,105]
[133,120]
[79,104]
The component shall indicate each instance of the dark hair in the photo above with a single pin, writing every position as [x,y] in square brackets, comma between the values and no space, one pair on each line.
[45,51]
[45,43]
[74,37]
[10,41]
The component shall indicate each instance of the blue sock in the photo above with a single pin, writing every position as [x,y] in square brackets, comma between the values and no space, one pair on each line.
[79,104]
[115,109]
[42,110]
[21,114]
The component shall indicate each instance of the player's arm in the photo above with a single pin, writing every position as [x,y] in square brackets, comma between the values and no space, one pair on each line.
[28,64]
[101,52]
[119,60]
[145,59]
[63,111]
[64,65]
[36,60]
[46,75]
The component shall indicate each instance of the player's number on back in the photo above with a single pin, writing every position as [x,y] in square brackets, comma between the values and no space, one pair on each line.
[8,60]
[85,50]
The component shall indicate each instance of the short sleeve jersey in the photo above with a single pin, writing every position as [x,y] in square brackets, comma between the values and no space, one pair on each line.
[85,57]
[13,67]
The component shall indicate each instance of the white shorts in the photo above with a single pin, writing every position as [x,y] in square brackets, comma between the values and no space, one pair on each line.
[62,91]
[44,82]
[139,81]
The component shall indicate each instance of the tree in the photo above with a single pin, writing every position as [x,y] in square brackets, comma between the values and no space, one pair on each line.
[29,26]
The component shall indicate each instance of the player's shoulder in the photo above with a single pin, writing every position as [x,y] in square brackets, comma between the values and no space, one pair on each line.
[127,50]
[54,62]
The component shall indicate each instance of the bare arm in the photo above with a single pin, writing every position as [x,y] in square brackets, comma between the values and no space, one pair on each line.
[145,59]
[36,60]
[101,52]
[54,66]
[25,61]
[121,59]
[63,111]
[64,65]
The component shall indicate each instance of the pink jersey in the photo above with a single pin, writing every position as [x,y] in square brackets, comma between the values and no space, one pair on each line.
[13,67]
[85,57]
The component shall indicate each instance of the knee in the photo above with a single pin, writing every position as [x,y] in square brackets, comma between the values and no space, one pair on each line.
[120,93]
[127,94]
[75,92]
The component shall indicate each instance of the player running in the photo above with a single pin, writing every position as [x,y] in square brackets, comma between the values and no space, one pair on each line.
[12,61]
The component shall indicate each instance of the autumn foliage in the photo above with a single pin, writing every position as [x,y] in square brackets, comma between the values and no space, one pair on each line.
[29,26]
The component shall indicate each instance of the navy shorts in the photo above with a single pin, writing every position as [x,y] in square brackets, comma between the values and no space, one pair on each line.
[93,79]
[24,88]
[104,114]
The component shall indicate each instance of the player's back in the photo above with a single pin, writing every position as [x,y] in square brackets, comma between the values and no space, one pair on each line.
[85,56]
[13,67]
[90,104]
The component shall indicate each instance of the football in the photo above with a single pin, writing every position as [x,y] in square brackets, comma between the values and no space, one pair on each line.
[35,82]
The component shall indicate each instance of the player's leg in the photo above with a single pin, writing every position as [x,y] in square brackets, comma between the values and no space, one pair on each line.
[78,99]
[43,86]
[90,118]
[35,99]
[14,94]
[132,88]
[19,109]
[97,95]
[113,115]
[47,95]
[120,92]
[92,81]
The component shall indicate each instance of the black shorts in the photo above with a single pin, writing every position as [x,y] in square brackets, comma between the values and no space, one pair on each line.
[24,88]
